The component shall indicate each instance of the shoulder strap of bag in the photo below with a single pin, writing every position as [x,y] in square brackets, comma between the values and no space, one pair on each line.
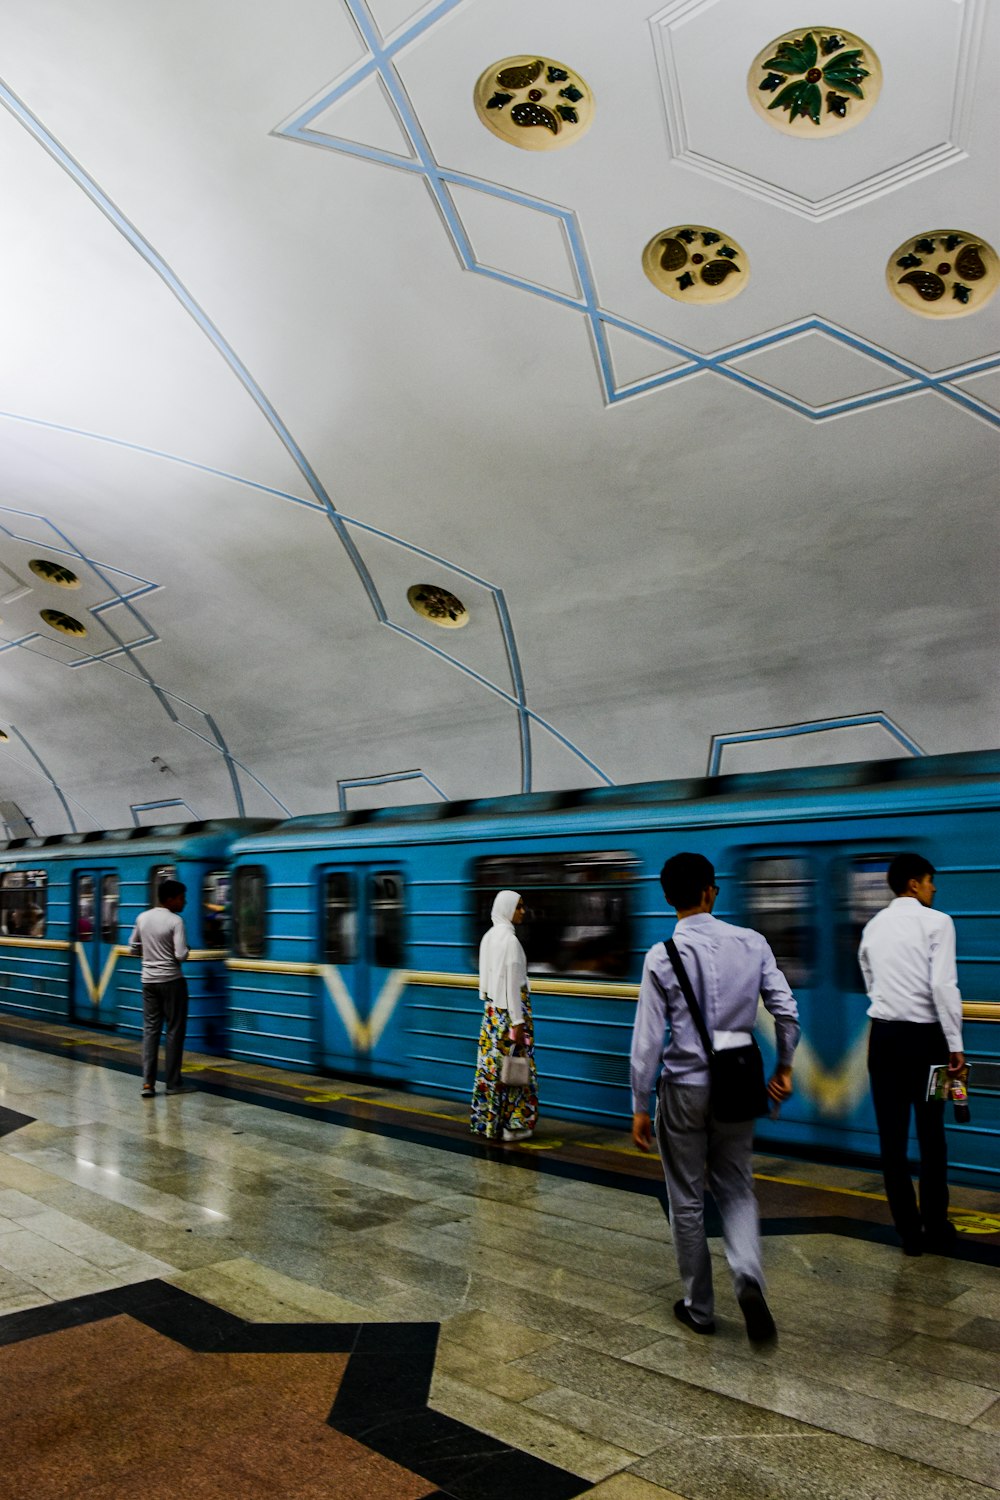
[673,954]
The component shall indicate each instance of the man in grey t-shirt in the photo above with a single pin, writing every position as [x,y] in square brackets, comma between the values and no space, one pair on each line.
[159,937]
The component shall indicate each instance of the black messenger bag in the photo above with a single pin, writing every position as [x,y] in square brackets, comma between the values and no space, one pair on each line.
[737,1088]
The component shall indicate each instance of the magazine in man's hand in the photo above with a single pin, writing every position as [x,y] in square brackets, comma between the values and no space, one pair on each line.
[944,1085]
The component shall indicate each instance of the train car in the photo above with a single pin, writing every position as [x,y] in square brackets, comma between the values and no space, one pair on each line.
[67,907]
[355,935]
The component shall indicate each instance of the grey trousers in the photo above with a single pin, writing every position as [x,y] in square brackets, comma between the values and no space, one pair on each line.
[698,1151]
[165,1003]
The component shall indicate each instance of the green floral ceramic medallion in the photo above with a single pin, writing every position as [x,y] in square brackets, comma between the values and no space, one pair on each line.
[815,82]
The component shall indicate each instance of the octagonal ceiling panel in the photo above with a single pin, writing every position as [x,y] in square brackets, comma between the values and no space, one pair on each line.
[705,51]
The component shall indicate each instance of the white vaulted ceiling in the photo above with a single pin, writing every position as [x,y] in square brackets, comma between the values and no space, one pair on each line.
[287,331]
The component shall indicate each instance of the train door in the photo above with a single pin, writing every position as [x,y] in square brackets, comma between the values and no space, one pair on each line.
[781,896]
[361,953]
[812,903]
[95,941]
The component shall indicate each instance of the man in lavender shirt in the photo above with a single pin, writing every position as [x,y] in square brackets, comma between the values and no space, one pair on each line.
[729,968]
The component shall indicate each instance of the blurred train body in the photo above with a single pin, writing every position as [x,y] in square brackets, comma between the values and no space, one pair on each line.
[347,941]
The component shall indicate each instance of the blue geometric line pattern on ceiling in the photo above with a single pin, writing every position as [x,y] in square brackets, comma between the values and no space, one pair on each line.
[137,807]
[351,782]
[525,716]
[381,60]
[53,783]
[102,571]
[719,742]
[387,536]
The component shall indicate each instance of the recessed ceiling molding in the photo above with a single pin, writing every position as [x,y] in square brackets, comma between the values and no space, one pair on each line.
[16,589]
[366,116]
[719,742]
[352,783]
[820,371]
[64,798]
[140,807]
[666,21]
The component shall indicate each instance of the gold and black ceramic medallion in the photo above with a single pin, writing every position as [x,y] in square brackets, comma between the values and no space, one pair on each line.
[943,273]
[693,263]
[534,103]
[436,604]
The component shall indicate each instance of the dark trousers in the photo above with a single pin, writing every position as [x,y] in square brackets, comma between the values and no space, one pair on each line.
[165,1003]
[900,1057]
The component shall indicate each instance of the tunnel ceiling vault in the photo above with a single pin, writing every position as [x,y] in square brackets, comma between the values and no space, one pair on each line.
[350,454]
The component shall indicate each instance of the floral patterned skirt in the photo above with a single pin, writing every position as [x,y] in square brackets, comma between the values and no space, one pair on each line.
[495,1108]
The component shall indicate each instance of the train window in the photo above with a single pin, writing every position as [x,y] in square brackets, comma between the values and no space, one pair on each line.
[109,908]
[387,919]
[340,918]
[577,909]
[23,903]
[249,909]
[864,892]
[778,898]
[157,875]
[84,907]
[215,909]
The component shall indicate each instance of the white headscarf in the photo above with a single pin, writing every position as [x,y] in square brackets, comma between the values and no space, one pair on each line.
[503,969]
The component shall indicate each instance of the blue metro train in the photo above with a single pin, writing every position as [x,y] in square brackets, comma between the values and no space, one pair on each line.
[347,942]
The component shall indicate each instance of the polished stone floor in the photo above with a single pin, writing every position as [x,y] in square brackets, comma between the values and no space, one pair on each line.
[553,1292]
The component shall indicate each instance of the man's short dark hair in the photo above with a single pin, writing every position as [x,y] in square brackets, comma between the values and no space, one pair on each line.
[169,890]
[684,877]
[907,867]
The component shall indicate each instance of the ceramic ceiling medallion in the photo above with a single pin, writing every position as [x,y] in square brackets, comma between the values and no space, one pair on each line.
[64,623]
[815,83]
[437,605]
[945,273]
[534,103]
[53,572]
[692,263]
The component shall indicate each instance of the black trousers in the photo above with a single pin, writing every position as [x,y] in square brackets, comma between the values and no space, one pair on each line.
[900,1057]
[165,1003]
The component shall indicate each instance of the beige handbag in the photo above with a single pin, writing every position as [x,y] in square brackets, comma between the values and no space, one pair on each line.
[515,1071]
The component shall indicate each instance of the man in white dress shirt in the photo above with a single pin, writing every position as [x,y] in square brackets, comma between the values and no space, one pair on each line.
[907,957]
[730,968]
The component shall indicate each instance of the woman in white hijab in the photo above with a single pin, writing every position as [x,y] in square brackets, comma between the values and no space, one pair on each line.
[500,1112]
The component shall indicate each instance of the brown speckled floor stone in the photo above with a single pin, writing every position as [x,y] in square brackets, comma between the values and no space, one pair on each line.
[114,1409]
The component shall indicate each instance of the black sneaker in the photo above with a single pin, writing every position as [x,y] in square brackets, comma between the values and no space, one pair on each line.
[683,1315]
[756,1314]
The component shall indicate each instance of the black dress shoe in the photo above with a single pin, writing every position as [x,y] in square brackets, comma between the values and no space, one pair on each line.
[756,1314]
[683,1315]
[942,1239]
[913,1244]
